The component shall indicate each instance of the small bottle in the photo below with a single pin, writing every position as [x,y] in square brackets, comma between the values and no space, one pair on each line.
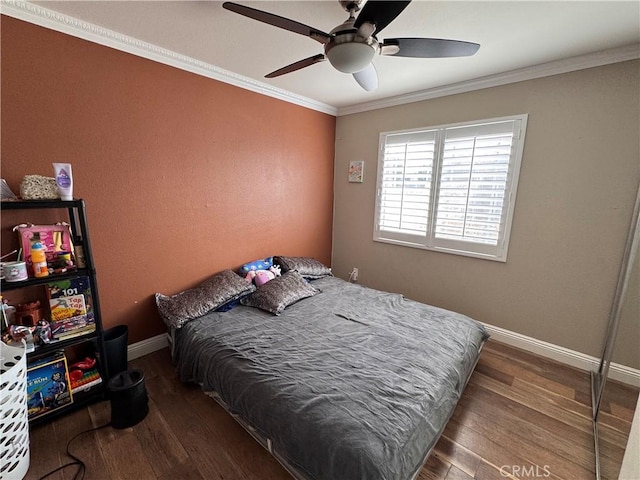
[79,254]
[39,259]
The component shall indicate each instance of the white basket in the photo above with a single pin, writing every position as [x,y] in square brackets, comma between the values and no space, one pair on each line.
[14,421]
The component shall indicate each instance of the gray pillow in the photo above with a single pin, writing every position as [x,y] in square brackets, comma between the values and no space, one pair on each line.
[307,267]
[275,295]
[222,288]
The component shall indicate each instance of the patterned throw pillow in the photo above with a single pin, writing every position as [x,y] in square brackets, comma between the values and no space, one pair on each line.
[222,288]
[307,267]
[277,294]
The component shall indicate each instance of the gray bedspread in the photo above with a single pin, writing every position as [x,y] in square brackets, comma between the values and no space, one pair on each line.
[351,384]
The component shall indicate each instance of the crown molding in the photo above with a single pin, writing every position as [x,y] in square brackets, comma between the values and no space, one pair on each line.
[597,59]
[52,20]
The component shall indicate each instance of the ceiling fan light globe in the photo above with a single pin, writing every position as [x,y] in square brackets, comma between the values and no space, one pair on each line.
[350,57]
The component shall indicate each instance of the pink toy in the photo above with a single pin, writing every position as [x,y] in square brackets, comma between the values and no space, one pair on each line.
[260,277]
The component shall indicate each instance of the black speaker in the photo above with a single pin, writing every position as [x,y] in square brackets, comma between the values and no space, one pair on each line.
[128,396]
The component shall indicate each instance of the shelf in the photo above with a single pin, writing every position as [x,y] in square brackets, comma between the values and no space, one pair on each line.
[30,282]
[34,204]
[80,400]
[42,350]
[74,212]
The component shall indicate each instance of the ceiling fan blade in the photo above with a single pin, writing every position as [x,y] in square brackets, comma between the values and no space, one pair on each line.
[367,78]
[278,21]
[380,13]
[297,65]
[427,48]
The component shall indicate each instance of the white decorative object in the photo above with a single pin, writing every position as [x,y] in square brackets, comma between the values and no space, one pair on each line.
[14,423]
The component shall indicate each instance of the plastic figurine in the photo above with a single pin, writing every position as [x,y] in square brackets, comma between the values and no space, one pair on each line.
[43,331]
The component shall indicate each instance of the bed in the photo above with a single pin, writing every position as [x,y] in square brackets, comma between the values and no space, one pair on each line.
[349,383]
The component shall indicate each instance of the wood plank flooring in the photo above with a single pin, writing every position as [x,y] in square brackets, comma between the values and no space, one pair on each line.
[521,416]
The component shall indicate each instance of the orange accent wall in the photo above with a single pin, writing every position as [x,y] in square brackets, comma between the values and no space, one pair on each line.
[183,176]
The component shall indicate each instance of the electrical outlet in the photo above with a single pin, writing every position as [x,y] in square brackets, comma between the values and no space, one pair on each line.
[353,276]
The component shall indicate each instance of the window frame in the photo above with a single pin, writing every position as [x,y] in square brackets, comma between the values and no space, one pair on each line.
[428,240]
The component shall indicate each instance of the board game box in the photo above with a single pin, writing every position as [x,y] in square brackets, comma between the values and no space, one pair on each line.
[48,386]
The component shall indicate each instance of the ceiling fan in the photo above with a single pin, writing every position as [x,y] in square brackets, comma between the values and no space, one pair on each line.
[351,46]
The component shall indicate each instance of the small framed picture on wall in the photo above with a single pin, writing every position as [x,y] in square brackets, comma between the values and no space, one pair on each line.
[356,168]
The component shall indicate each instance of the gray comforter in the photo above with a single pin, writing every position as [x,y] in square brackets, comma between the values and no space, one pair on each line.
[351,384]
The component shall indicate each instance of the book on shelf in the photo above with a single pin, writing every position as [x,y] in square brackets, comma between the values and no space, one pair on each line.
[71,305]
[67,307]
[78,332]
[70,298]
[48,386]
[71,324]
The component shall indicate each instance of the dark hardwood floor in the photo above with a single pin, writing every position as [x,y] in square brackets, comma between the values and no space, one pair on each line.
[521,416]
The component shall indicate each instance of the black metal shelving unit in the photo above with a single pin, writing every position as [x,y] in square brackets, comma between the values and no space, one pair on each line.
[76,216]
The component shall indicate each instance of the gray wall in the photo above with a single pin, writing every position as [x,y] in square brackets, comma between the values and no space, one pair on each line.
[579,176]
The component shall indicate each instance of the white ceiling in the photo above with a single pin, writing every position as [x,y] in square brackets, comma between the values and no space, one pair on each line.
[513,35]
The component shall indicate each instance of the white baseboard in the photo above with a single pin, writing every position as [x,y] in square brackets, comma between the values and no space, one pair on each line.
[147,346]
[621,373]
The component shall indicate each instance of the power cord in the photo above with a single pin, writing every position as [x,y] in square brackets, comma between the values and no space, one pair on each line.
[76,461]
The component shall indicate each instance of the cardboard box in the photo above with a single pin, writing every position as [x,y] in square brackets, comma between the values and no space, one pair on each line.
[48,385]
[54,239]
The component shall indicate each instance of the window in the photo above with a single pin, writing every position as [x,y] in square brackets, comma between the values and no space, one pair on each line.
[450,188]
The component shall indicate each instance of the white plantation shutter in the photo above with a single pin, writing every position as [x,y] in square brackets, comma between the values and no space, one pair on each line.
[405,188]
[450,188]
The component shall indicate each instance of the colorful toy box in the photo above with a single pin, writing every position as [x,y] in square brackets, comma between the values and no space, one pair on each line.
[54,239]
[48,386]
